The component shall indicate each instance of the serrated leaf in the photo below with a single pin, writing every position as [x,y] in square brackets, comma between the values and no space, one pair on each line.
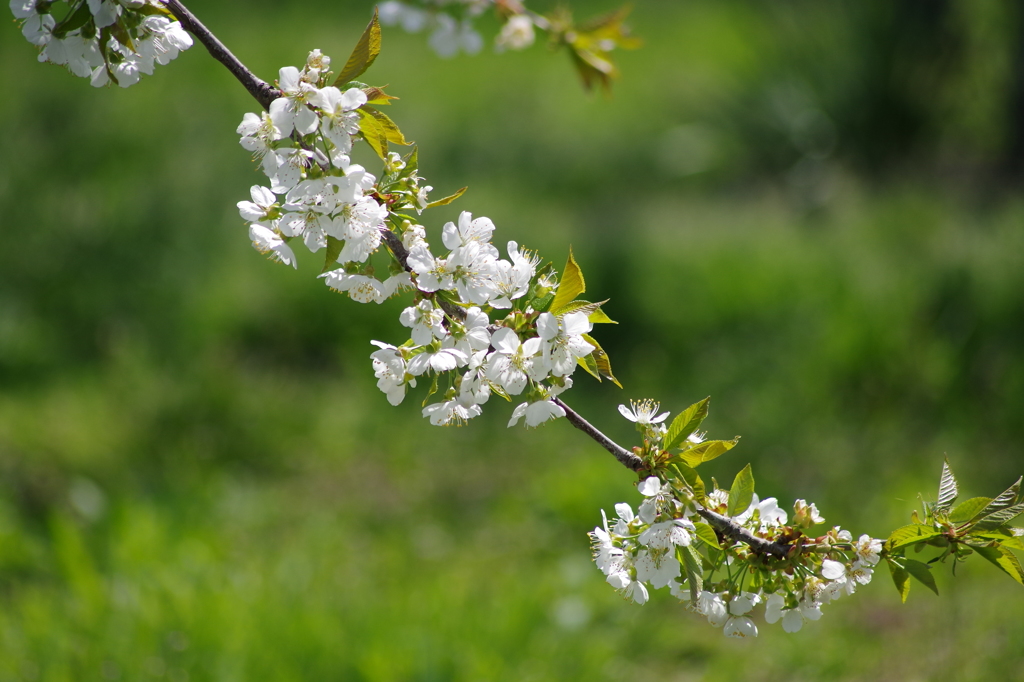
[412,161]
[948,488]
[542,304]
[1005,560]
[602,362]
[334,247]
[590,365]
[693,480]
[968,509]
[373,132]
[448,199]
[999,518]
[1004,539]
[901,578]
[908,535]
[578,306]
[1004,500]
[707,451]
[707,534]
[599,317]
[923,573]
[685,423]
[570,285]
[691,562]
[391,131]
[741,494]
[377,96]
[365,51]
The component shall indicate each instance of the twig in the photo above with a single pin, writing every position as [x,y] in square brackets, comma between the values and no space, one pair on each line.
[259,89]
[265,94]
[726,526]
[625,457]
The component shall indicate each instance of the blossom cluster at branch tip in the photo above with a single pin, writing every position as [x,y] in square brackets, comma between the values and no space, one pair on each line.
[666,544]
[106,41]
[472,330]
[450,23]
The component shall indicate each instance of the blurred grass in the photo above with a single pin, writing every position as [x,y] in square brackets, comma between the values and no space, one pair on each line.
[199,480]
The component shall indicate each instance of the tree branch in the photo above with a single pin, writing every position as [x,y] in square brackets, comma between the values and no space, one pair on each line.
[263,92]
[625,457]
[725,526]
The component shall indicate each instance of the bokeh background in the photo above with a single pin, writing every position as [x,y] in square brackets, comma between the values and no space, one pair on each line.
[810,211]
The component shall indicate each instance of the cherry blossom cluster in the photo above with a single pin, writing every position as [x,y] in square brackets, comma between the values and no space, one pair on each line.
[667,543]
[451,24]
[473,329]
[103,40]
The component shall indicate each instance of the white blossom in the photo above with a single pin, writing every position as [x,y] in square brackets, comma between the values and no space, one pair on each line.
[741,627]
[644,412]
[269,243]
[516,34]
[511,361]
[536,413]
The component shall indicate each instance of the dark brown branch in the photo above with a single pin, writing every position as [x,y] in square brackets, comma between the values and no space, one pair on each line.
[726,526]
[259,89]
[625,457]
[402,256]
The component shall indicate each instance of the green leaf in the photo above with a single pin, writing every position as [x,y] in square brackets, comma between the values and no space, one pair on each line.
[412,161]
[707,534]
[599,317]
[391,131]
[685,423]
[1004,540]
[334,247]
[948,488]
[707,451]
[999,518]
[448,199]
[1005,499]
[1005,560]
[366,50]
[741,494]
[570,286]
[693,480]
[908,535]
[542,304]
[690,560]
[432,391]
[72,22]
[968,509]
[901,577]
[922,572]
[373,132]
[377,96]
[589,363]
[602,361]
[580,306]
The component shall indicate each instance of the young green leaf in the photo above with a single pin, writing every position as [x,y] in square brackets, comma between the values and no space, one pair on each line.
[601,360]
[334,247]
[968,509]
[901,578]
[599,317]
[948,488]
[543,303]
[391,131]
[366,50]
[923,573]
[707,534]
[741,494]
[707,451]
[685,423]
[1005,560]
[1005,499]
[999,518]
[448,199]
[377,96]
[908,535]
[570,286]
[373,132]
[690,560]
[693,480]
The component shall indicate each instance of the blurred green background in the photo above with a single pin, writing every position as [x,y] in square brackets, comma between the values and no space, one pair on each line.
[810,211]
